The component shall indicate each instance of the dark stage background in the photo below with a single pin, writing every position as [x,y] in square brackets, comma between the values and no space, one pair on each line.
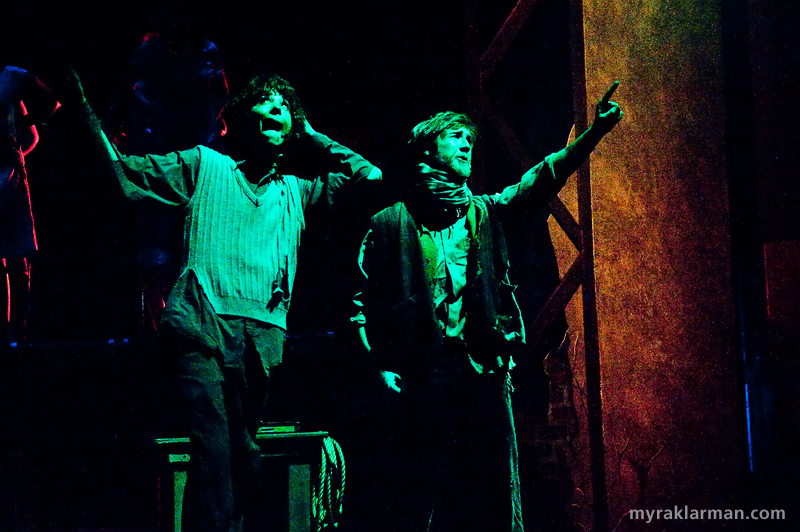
[85,391]
[696,241]
[366,75]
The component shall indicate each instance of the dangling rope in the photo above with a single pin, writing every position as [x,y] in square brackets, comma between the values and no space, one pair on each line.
[327,497]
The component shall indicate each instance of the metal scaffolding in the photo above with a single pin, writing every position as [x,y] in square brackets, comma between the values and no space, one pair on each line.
[480,65]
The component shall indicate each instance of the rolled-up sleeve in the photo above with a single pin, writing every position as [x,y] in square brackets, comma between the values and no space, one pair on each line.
[534,190]
[168,179]
[343,170]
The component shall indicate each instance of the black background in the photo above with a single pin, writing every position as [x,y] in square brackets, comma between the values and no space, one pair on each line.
[80,408]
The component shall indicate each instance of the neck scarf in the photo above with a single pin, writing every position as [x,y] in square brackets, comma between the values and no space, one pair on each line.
[433,188]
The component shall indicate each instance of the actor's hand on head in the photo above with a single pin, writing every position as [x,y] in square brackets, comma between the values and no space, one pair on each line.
[392,380]
[607,114]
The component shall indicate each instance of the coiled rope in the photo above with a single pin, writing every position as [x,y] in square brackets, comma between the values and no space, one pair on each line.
[328,495]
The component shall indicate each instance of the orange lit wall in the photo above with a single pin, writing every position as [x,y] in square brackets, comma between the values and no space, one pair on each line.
[662,252]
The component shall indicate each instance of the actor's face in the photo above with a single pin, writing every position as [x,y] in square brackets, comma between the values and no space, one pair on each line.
[454,152]
[273,118]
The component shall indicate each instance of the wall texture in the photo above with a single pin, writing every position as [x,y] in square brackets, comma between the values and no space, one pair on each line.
[662,252]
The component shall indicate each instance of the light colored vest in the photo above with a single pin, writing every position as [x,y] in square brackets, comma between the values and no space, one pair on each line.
[243,247]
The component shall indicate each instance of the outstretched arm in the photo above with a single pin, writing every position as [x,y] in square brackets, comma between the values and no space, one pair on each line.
[544,180]
[70,90]
[167,179]
[607,115]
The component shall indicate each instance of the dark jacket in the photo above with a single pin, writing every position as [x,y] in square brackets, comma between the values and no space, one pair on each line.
[398,303]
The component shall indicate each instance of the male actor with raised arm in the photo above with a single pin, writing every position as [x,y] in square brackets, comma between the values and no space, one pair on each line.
[225,319]
[438,314]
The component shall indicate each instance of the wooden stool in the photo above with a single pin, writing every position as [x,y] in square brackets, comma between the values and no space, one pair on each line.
[172,461]
[298,453]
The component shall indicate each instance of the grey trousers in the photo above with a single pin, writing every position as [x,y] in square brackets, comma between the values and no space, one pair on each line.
[221,401]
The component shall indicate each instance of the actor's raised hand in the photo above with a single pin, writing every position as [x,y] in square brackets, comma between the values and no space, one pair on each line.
[607,114]
[67,86]
[69,90]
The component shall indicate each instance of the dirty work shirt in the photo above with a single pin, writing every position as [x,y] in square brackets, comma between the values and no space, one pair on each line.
[450,275]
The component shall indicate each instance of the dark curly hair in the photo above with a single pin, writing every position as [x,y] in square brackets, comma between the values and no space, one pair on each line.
[262,86]
[423,133]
